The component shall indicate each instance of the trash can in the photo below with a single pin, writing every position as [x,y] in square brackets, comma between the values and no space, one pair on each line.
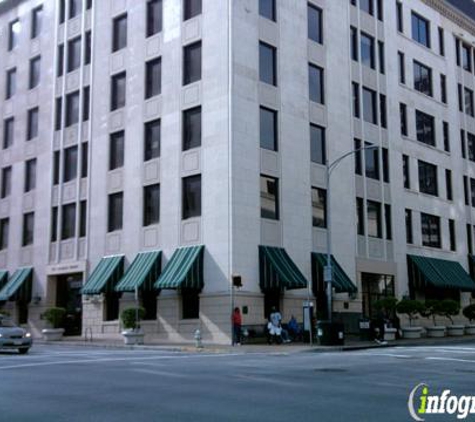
[330,333]
[365,329]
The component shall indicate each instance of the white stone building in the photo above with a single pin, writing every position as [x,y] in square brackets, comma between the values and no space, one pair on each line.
[195,132]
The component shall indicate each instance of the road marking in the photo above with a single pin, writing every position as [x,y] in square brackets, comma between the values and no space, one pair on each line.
[449,359]
[160,373]
[393,355]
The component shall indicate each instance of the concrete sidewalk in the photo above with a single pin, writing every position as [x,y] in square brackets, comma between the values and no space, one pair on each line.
[351,344]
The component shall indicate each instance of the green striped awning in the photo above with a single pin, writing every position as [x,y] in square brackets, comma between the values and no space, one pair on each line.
[340,280]
[278,271]
[142,273]
[19,286]
[439,273]
[184,270]
[3,278]
[105,276]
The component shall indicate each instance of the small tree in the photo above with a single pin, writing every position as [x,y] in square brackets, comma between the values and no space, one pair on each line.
[387,306]
[55,316]
[450,308]
[128,317]
[432,308]
[469,312]
[411,308]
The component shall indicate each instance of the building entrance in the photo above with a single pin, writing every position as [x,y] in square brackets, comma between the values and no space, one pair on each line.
[374,288]
[68,296]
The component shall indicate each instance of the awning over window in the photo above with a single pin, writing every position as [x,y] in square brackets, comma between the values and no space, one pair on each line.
[340,281]
[184,270]
[439,273]
[19,286]
[3,278]
[278,271]
[105,276]
[142,273]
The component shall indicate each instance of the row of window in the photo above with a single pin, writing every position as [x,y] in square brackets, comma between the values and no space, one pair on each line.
[32,127]
[374,111]
[33,79]
[364,50]
[371,7]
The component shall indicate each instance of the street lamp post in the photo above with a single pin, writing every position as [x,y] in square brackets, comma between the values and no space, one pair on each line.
[328,270]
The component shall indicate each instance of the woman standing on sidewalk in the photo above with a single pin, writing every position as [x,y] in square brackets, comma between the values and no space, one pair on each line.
[237,323]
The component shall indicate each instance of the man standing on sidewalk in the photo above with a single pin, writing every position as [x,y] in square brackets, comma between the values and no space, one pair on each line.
[237,323]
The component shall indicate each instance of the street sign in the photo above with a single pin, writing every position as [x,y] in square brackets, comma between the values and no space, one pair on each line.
[327,274]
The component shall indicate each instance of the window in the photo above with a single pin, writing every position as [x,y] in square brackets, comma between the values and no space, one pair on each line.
[385,154]
[118,91]
[151,205]
[36,21]
[446,134]
[356,99]
[467,58]
[75,7]
[267,64]
[74,54]
[35,69]
[382,67]
[268,129]
[360,216]
[153,78]
[428,178]
[56,165]
[319,213]
[30,175]
[469,239]
[399,17]
[383,111]
[14,29]
[472,191]
[191,197]
[374,219]
[316,87]
[8,132]
[430,225]
[425,128]
[4,233]
[462,143]
[367,6]
[60,62]
[152,140]
[317,144]
[6,187]
[88,48]
[403,117]
[86,106]
[267,9]
[190,303]
[10,83]
[460,97]
[387,220]
[441,42]
[116,150]
[192,8]
[154,17]
[453,242]
[70,164]
[68,222]
[448,184]
[115,212]
[402,68]
[28,229]
[88,4]
[367,50]
[314,22]
[191,128]
[62,11]
[465,190]
[119,33]
[192,63]
[468,100]
[58,113]
[72,109]
[420,30]
[471,146]
[443,89]
[269,198]
[84,159]
[371,162]
[358,157]
[457,51]
[82,219]
[354,43]
[422,79]
[406,172]
[32,124]
[369,106]
[409,237]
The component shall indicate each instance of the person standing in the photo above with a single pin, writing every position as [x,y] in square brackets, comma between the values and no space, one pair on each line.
[237,324]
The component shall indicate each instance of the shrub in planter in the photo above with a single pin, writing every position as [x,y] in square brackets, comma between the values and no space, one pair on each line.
[128,317]
[410,308]
[469,313]
[451,308]
[55,316]
[387,306]
[432,309]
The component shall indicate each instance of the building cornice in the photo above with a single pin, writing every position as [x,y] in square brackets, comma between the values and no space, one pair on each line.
[452,13]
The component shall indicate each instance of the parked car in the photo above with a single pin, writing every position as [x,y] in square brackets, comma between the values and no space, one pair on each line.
[14,337]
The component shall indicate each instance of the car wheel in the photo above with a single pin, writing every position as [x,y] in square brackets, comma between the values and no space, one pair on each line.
[23,351]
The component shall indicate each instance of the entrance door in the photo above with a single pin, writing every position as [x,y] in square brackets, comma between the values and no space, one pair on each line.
[68,296]
[375,287]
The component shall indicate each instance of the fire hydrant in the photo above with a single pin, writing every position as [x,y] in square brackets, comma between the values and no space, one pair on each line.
[198,343]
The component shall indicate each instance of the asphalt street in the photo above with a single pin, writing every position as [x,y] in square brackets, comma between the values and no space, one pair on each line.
[59,383]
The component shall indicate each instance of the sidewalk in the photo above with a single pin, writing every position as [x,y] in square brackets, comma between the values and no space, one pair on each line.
[350,345]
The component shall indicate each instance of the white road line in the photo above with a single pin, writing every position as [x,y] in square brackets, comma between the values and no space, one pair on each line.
[393,355]
[449,359]
[160,373]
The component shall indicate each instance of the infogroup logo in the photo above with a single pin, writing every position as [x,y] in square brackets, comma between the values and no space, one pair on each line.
[421,404]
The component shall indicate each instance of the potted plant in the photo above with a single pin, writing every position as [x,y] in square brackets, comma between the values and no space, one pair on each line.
[132,333]
[451,308]
[469,313]
[432,309]
[55,318]
[387,307]
[410,308]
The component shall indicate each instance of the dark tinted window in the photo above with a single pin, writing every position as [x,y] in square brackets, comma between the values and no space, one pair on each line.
[191,197]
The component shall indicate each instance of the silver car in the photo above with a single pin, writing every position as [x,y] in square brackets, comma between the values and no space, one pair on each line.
[14,337]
